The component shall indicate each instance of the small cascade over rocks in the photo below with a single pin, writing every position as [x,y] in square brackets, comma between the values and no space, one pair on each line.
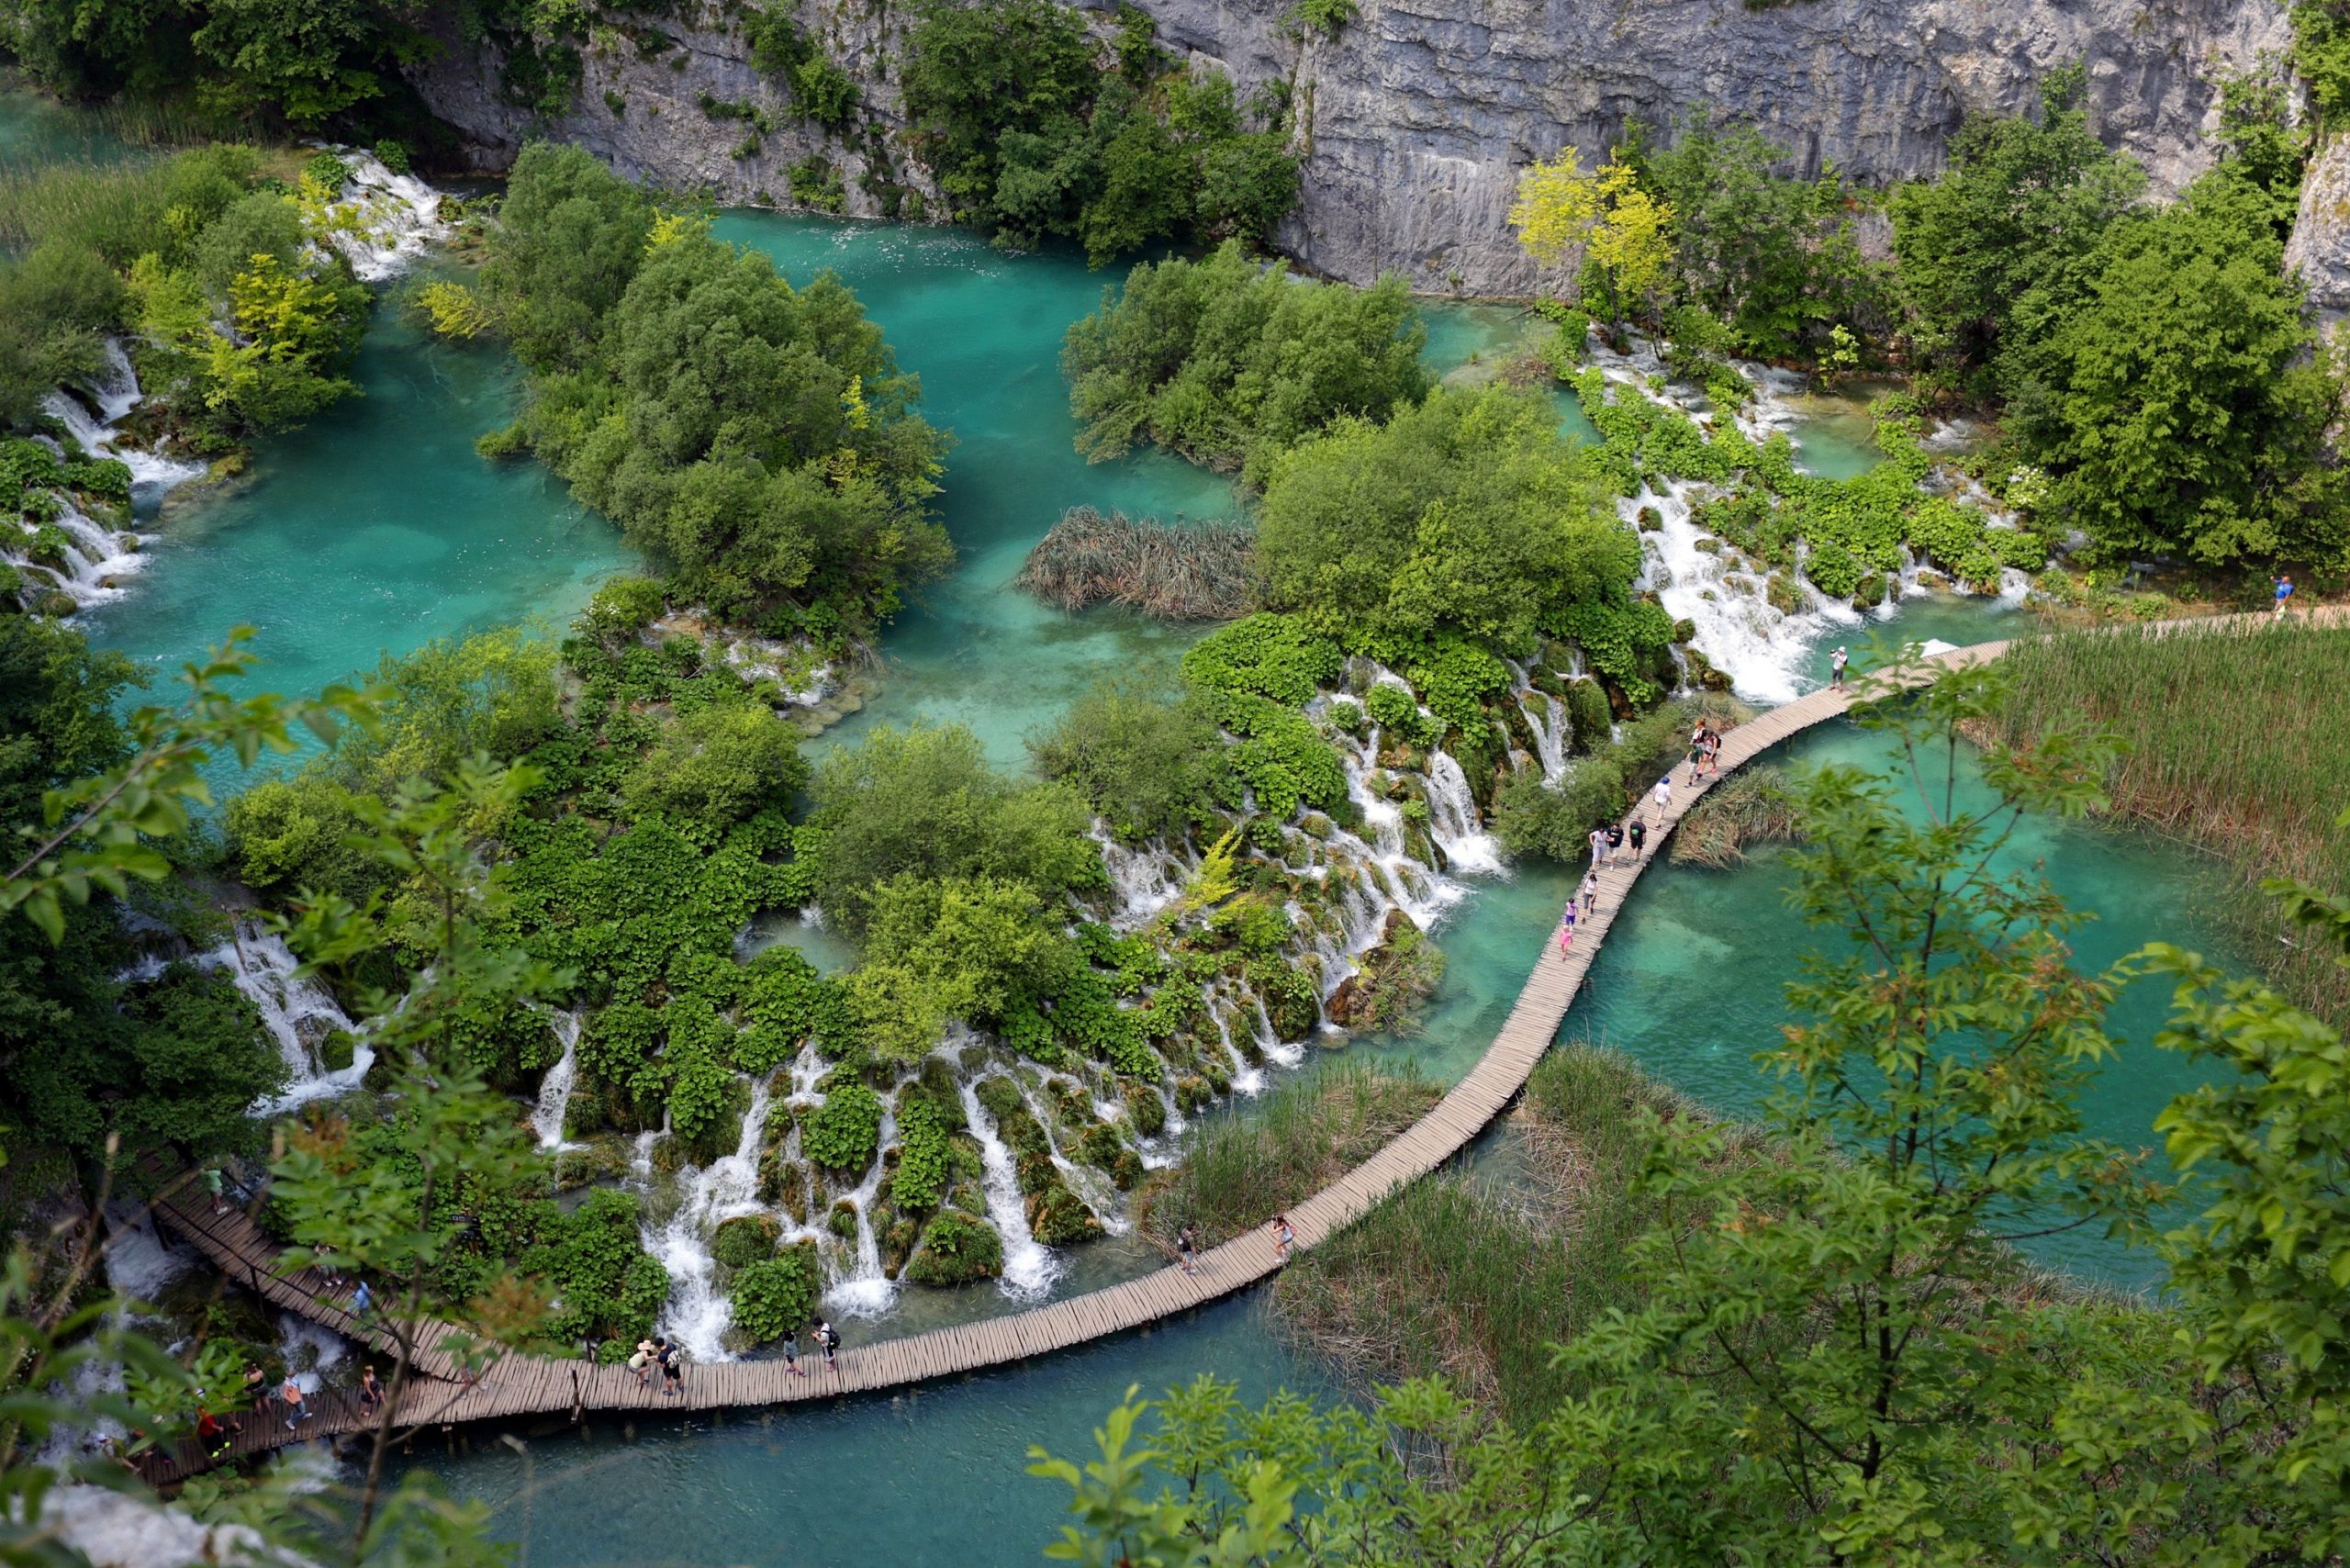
[554,1089]
[83,558]
[1452,813]
[1029,1266]
[867,1290]
[300,1014]
[1761,645]
[697,1314]
[381,221]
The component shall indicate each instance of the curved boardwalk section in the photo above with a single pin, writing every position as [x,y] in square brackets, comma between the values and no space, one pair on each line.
[524,1386]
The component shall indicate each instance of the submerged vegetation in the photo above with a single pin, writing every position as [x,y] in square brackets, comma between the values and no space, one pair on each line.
[1184,572]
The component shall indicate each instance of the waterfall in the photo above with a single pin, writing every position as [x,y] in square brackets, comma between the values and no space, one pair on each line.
[1246,1079]
[1284,1053]
[116,392]
[297,1012]
[1146,880]
[1546,718]
[1029,1266]
[696,1315]
[554,1089]
[1098,1193]
[1452,819]
[380,221]
[1761,647]
[867,1291]
[139,1263]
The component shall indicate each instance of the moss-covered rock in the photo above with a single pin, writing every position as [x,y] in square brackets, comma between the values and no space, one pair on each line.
[842,1221]
[956,1250]
[1146,1109]
[741,1241]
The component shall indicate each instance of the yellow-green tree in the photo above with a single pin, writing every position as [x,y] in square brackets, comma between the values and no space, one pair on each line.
[1620,226]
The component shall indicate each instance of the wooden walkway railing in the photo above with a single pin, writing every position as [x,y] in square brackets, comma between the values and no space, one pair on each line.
[522,1385]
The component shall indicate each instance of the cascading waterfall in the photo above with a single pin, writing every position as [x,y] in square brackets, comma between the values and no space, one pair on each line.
[696,1315]
[1247,1078]
[867,1291]
[1100,1195]
[1146,880]
[380,221]
[1546,720]
[298,1012]
[554,1089]
[1761,648]
[1029,1266]
[1452,819]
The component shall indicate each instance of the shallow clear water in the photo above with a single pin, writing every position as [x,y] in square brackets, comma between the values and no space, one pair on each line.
[933,1478]
[373,529]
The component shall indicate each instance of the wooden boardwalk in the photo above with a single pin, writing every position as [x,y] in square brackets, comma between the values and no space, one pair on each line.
[519,1385]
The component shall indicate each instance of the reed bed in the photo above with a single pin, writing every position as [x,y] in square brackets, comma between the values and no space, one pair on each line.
[2234,748]
[1247,1165]
[1200,571]
[1476,1275]
[1753,806]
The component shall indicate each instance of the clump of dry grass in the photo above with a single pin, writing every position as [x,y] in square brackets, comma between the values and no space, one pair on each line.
[1204,571]
[2234,747]
[1753,806]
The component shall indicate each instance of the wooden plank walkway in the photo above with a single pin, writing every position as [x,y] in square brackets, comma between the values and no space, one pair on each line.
[519,1385]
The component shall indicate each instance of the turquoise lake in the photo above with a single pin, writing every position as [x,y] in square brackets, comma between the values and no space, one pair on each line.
[377,529]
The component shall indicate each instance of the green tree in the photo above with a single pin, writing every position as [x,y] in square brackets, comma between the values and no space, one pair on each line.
[2174,400]
[2019,210]
[1468,514]
[1150,762]
[923,802]
[1233,362]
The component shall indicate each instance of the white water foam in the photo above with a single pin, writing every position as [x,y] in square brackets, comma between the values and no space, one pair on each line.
[297,1010]
[697,1314]
[554,1089]
[380,221]
[1029,1266]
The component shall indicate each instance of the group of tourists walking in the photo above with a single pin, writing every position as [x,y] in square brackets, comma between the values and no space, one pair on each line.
[662,1355]
[1609,845]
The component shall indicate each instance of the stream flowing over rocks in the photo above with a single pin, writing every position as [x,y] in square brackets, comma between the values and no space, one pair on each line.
[1414,119]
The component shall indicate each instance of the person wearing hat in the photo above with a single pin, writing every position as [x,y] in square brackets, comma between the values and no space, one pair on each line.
[1837,680]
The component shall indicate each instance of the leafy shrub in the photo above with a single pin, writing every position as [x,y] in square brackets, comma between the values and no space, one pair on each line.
[924,1164]
[844,1132]
[327,171]
[1276,657]
[1232,361]
[622,608]
[774,1296]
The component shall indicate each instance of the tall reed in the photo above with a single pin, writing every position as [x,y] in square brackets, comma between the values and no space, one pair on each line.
[2234,747]
[1246,1164]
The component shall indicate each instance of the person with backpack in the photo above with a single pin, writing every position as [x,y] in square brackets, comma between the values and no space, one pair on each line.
[1637,831]
[830,1339]
[672,1370]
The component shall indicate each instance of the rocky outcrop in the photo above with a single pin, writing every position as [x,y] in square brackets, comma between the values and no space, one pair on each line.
[1416,120]
[2320,248]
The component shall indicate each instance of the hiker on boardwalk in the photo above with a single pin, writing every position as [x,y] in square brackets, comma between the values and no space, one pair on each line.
[215,1433]
[828,1340]
[791,1353]
[1567,929]
[2284,593]
[220,1200]
[641,1363]
[297,1403]
[665,1357]
[1615,841]
[1187,1248]
[1599,848]
[363,1301]
[371,1392]
[1662,795]
[1284,1238]
[1637,832]
[1836,678]
[1713,753]
[1590,891]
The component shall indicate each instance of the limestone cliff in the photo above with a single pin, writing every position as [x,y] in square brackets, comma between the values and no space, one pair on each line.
[1417,117]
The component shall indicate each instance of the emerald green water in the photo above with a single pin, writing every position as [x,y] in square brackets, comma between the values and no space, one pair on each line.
[377,528]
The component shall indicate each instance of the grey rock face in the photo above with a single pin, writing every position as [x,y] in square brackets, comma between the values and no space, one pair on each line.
[2320,248]
[1416,120]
